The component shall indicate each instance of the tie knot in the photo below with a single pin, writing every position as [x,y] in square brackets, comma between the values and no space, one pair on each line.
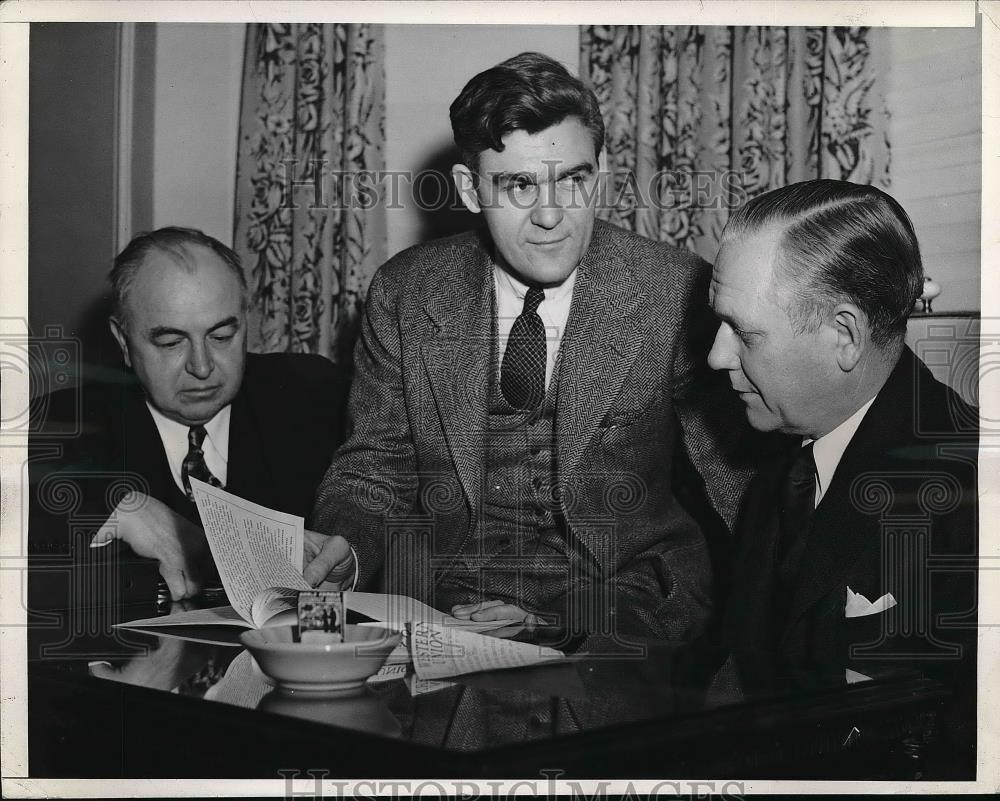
[196,436]
[532,300]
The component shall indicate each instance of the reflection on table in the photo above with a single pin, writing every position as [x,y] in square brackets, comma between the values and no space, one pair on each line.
[636,709]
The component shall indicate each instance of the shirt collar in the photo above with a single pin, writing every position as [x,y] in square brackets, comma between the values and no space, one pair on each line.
[217,430]
[828,449]
[552,293]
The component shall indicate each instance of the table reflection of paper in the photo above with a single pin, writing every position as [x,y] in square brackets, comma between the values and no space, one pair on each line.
[242,685]
[439,652]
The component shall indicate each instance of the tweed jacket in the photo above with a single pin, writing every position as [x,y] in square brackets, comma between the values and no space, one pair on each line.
[406,488]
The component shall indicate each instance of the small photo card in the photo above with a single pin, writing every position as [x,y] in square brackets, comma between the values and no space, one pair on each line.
[321,616]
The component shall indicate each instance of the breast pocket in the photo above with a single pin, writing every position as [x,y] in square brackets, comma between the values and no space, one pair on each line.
[628,410]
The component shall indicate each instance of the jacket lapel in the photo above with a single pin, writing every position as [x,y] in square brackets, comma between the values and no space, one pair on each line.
[248,471]
[142,449]
[841,534]
[603,337]
[458,357]
[750,618]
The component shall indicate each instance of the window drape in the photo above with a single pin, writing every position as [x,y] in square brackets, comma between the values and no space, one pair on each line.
[701,118]
[312,127]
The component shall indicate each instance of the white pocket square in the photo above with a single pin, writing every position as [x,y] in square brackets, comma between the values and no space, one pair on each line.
[859,606]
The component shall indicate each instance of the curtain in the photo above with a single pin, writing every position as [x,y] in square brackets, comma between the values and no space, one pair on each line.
[312,126]
[699,119]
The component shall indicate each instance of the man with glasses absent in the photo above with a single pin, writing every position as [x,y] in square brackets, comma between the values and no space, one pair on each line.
[527,397]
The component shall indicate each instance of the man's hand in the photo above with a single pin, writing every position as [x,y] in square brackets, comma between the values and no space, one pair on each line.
[328,559]
[152,529]
[494,610]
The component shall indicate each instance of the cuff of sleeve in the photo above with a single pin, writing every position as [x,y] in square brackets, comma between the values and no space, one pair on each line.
[357,569]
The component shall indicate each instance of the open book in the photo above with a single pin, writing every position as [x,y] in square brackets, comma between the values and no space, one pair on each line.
[259,553]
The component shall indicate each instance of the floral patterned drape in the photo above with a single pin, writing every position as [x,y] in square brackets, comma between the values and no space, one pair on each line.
[312,115]
[701,118]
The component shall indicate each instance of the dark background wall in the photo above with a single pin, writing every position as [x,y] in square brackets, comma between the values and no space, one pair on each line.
[71,181]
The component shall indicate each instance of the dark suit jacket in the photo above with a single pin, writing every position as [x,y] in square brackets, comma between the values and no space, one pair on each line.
[93,442]
[899,517]
[406,488]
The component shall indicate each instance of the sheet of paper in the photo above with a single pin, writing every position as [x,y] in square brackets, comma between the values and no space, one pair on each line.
[418,686]
[215,616]
[254,547]
[228,636]
[398,610]
[442,651]
[389,673]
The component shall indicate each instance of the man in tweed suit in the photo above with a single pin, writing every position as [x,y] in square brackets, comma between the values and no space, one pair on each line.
[525,395]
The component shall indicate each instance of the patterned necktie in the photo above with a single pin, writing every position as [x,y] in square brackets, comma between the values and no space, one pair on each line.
[798,500]
[194,462]
[522,374]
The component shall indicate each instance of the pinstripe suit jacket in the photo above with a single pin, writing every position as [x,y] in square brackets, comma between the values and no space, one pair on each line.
[406,487]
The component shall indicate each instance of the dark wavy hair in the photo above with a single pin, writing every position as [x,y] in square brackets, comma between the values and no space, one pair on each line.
[173,241]
[529,92]
[840,240]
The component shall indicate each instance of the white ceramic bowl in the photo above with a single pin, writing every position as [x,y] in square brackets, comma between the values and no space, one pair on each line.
[320,668]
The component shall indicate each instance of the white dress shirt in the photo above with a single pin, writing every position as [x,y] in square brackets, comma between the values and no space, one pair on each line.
[174,437]
[554,311]
[828,449]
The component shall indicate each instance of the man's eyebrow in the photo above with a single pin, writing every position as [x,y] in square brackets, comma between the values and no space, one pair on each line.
[164,330]
[583,168]
[725,316]
[500,178]
[223,323]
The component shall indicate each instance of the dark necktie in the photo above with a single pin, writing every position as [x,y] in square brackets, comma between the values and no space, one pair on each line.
[194,462]
[798,500]
[522,374]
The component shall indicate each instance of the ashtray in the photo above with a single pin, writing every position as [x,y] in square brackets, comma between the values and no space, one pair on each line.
[329,668]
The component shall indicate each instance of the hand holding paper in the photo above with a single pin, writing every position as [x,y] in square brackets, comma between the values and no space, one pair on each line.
[255,548]
[328,560]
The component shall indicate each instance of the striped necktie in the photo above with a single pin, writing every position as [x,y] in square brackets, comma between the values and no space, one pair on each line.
[194,462]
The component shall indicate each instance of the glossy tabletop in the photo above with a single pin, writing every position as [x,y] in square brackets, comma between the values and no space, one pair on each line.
[115,702]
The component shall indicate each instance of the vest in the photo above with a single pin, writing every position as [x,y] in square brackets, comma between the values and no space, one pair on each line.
[526,554]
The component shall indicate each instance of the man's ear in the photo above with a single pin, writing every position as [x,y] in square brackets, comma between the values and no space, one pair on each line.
[465,183]
[853,335]
[118,331]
